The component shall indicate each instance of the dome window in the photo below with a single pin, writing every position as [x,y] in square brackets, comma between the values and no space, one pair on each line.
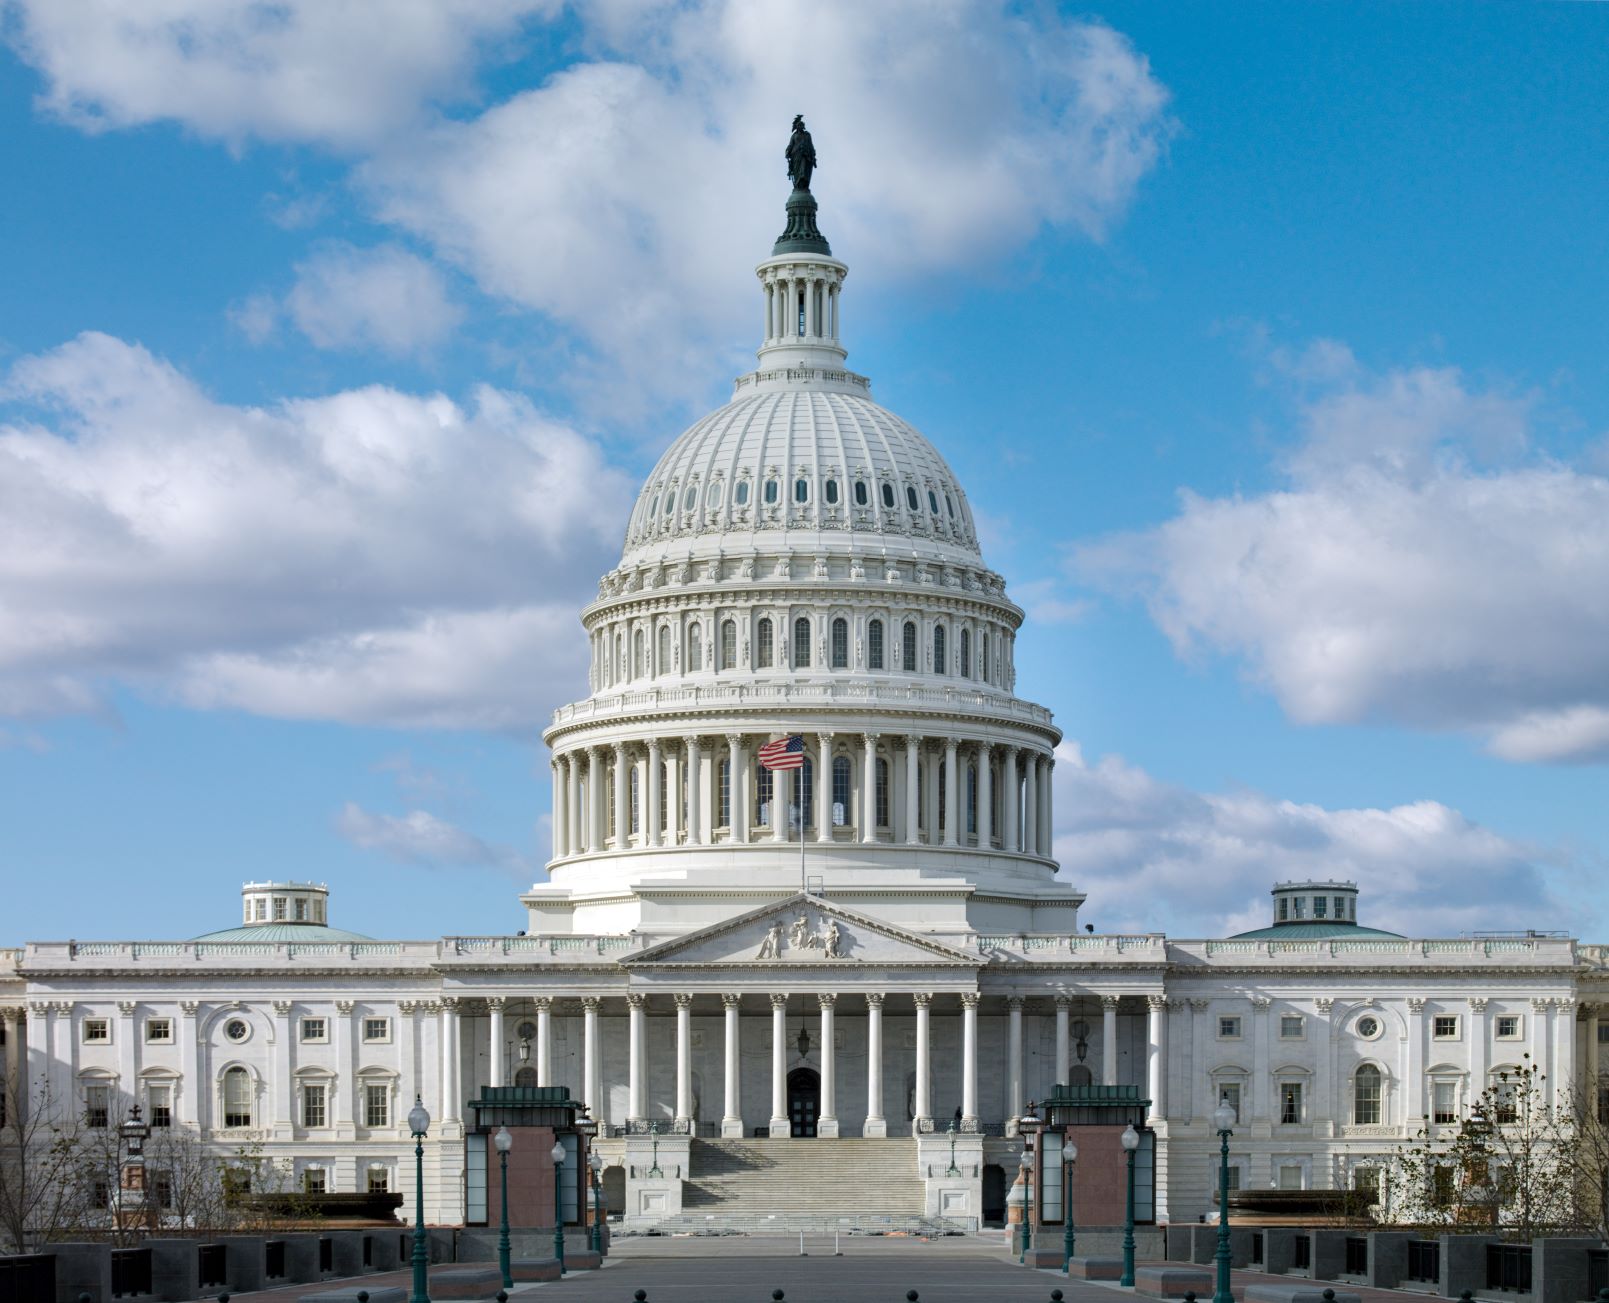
[950,503]
[966,654]
[740,495]
[728,645]
[874,645]
[712,495]
[830,490]
[763,645]
[840,644]
[801,490]
[933,502]
[770,493]
[690,498]
[938,649]
[911,499]
[888,495]
[908,647]
[695,647]
[862,495]
[670,501]
[801,643]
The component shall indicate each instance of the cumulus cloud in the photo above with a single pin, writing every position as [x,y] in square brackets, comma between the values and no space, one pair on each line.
[370,556]
[343,73]
[384,298]
[419,837]
[1152,855]
[1418,566]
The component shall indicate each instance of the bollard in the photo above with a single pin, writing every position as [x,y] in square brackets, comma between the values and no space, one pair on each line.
[641,1296]
[1055,1296]
[363,1296]
[1467,1296]
[802,1252]
[776,1294]
[911,1296]
[1189,1296]
[502,1296]
[1603,1295]
[1329,1296]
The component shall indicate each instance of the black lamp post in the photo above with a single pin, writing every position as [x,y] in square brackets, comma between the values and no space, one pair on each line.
[1223,1118]
[504,1140]
[595,1163]
[1069,1158]
[418,1124]
[1131,1143]
[558,1204]
[1028,1125]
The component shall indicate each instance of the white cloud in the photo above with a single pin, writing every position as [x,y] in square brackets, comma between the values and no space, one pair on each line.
[369,556]
[1152,855]
[1395,577]
[419,837]
[384,298]
[337,72]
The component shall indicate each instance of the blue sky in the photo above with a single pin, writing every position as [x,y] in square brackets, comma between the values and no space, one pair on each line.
[1267,340]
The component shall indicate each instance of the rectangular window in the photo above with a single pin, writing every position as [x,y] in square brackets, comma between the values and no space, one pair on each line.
[279,909]
[301,910]
[1299,906]
[1290,1176]
[314,1113]
[1340,907]
[261,911]
[724,818]
[314,1181]
[1320,906]
[1229,1029]
[1366,1180]
[874,645]
[376,1030]
[1290,1027]
[1507,1105]
[1603,1103]
[801,643]
[97,1031]
[97,1105]
[1443,1185]
[1050,1174]
[159,1031]
[162,1187]
[1234,1178]
[376,1106]
[1444,1102]
[1290,1101]
[1508,1027]
[762,646]
[159,1105]
[315,1030]
[1445,1027]
[882,793]
[379,1180]
[1603,1032]
[840,792]
[1284,909]
[1229,1093]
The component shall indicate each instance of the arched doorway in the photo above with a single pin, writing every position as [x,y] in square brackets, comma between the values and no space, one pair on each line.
[804,1101]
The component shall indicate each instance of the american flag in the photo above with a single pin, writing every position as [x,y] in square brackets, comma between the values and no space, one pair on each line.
[784,753]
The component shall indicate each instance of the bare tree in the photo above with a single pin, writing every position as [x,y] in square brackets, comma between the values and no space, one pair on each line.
[40,1194]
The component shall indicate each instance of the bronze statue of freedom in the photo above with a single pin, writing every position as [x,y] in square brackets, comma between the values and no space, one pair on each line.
[801,155]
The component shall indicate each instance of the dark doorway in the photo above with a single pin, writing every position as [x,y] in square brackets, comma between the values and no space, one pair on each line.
[994,1195]
[804,1101]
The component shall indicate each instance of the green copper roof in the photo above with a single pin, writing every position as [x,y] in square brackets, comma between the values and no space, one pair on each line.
[1312,931]
[300,933]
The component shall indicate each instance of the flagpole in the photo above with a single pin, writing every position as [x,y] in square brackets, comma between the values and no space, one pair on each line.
[798,792]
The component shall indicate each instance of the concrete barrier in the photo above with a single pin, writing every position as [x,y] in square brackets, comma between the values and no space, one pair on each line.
[465,1282]
[534,1269]
[175,1268]
[587,1260]
[245,1262]
[82,1269]
[346,1252]
[1178,1243]
[1388,1258]
[1279,1250]
[1095,1268]
[1329,1254]
[1296,1294]
[1559,1269]
[301,1258]
[1171,1282]
[1463,1264]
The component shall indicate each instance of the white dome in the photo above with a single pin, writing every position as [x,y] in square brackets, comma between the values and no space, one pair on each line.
[814,469]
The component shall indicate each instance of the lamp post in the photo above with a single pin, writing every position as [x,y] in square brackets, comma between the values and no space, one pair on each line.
[952,1170]
[418,1124]
[1069,1158]
[595,1164]
[1028,1125]
[504,1140]
[1223,1118]
[1131,1143]
[132,1177]
[558,1204]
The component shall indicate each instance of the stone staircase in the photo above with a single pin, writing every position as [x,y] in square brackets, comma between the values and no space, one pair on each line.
[850,1185]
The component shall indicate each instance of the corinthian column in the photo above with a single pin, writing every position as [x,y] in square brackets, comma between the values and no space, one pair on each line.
[637,1074]
[1010,796]
[876,1125]
[824,788]
[923,1104]
[827,1115]
[985,798]
[913,808]
[595,799]
[969,1061]
[684,1061]
[868,788]
[1030,803]
[953,816]
[650,820]
[732,1118]
[779,1066]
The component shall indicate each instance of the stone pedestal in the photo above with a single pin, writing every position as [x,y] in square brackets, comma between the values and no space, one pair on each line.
[654,1177]
[955,1194]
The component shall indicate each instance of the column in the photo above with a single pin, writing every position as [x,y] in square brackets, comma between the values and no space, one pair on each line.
[1109,1040]
[985,798]
[650,823]
[1414,1104]
[194,1084]
[280,1084]
[673,796]
[823,800]
[1260,1067]
[954,817]
[450,1105]
[544,1041]
[494,1010]
[779,804]
[868,788]
[638,1047]
[561,807]
[732,1113]
[1563,1069]
[591,1065]
[343,1105]
[578,836]
[1592,1056]
[924,1083]
[595,799]
[1030,803]
[1199,1034]
[827,1115]
[779,1066]
[695,815]
[913,810]
[876,1125]
[1064,1044]
[1156,1049]
[969,1061]
[16,1093]
[737,788]
[622,838]
[1047,829]
[930,800]
[1477,1048]
[1011,798]
[1014,1100]
[684,1061]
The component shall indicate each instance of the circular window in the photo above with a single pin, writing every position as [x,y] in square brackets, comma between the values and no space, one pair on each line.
[888,495]
[911,499]
[526,1030]
[861,496]
[741,493]
[236,1029]
[1368,1027]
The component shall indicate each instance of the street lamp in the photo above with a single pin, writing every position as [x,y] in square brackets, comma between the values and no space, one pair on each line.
[595,1162]
[504,1140]
[558,1206]
[418,1124]
[1223,1119]
[1069,1158]
[1028,1125]
[1131,1143]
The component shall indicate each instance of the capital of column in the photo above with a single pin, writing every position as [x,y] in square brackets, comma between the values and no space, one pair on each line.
[731,1000]
[874,999]
[126,1008]
[734,740]
[684,999]
[870,739]
[653,748]
[636,999]
[590,1003]
[1541,1005]
[407,1006]
[1258,1002]
[451,1003]
[1064,1002]
[1201,1006]
[922,998]
[1013,1002]
[969,1000]
[1110,1002]
[345,1006]
[1478,1003]
[827,999]
[496,1001]
[1158,1003]
[543,1003]
[779,1001]
[282,1007]
[619,748]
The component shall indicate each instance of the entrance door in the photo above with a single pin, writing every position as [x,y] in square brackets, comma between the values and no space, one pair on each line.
[804,1101]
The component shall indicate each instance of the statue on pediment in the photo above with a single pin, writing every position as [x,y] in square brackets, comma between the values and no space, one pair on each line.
[832,947]
[771,947]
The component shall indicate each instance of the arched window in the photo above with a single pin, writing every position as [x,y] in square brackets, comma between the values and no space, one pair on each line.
[525,1077]
[966,653]
[908,647]
[801,490]
[639,654]
[801,642]
[631,780]
[764,786]
[770,493]
[670,501]
[983,655]
[807,780]
[882,794]
[933,501]
[663,667]
[724,818]
[695,646]
[764,650]
[728,645]
[950,503]
[911,500]
[840,791]
[830,490]
[840,644]
[874,644]
[862,497]
[740,495]
[712,495]
[664,796]
[938,649]
[620,656]
[1366,1096]
[972,800]
[888,494]
[237,1098]
[690,498]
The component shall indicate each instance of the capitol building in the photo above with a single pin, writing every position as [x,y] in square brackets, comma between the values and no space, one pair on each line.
[870,954]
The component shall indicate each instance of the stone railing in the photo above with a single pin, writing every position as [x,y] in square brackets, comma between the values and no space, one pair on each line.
[526,947]
[225,953]
[1136,946]
[1547,951]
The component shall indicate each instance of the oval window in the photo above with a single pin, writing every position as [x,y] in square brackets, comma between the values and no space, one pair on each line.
[741,493]
[933,501]
[801,490]
[770,493]
[831,490]
[690,498]
[888,494]
[911,500]
[670,501]
[712,495]
[861,496]
[950,503]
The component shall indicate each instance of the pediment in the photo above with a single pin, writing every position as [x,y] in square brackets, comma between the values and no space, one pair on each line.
[804,931]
